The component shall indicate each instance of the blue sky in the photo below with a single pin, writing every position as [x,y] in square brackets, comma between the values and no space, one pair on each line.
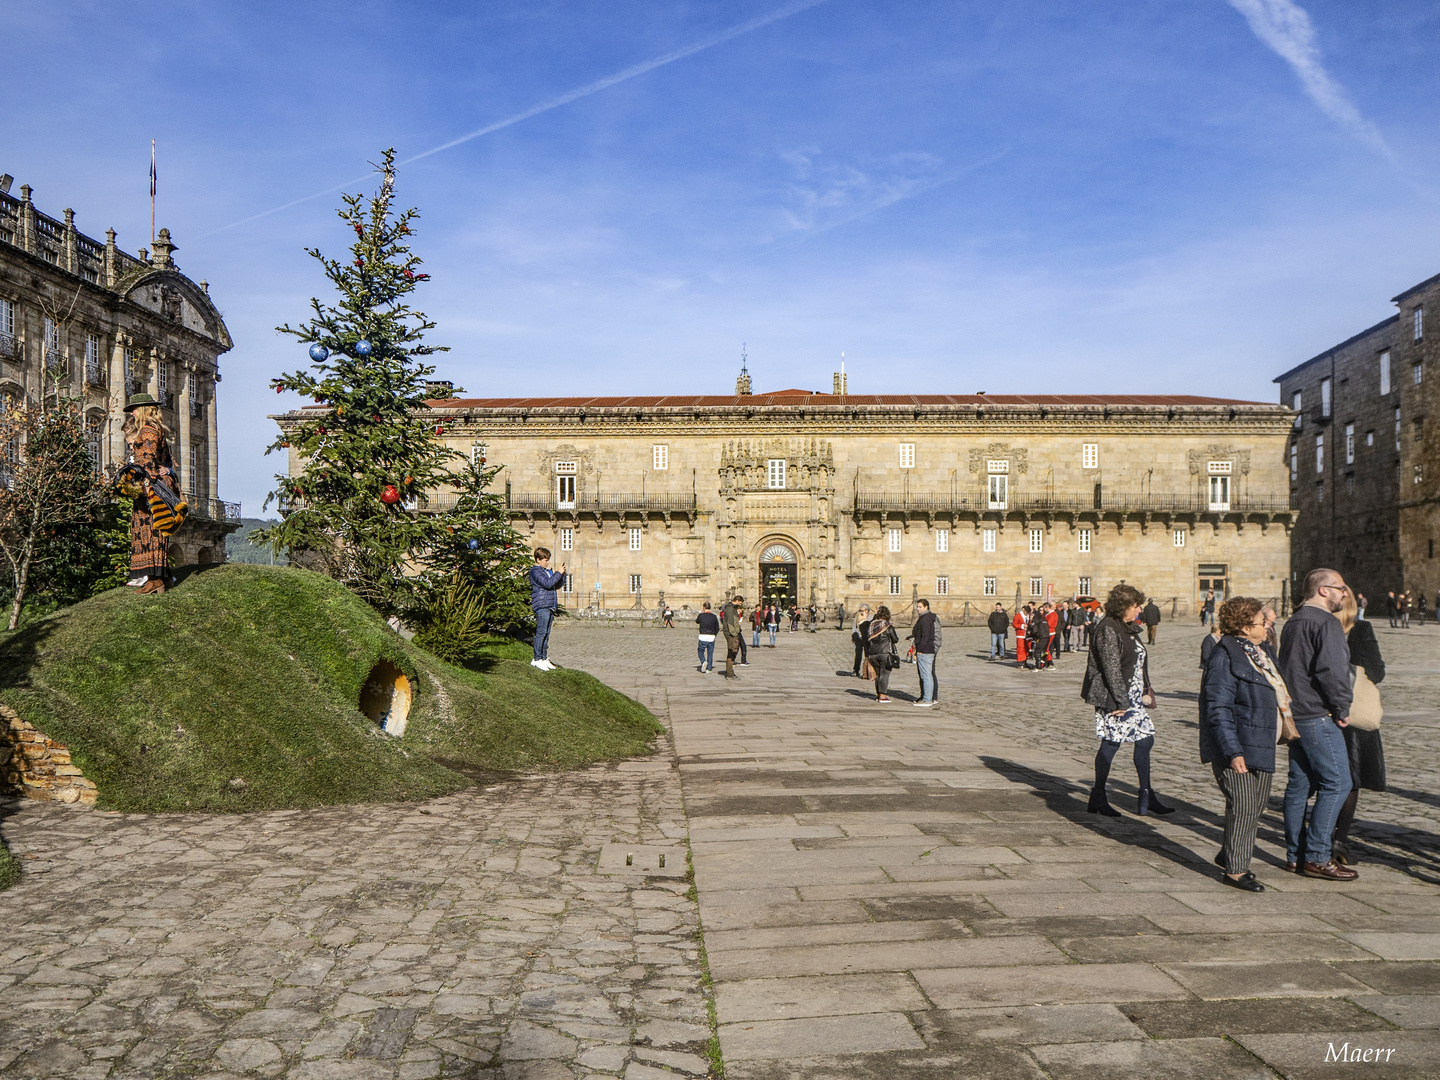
[1184,196]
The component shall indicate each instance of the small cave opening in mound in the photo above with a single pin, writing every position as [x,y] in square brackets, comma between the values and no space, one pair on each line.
[385,698]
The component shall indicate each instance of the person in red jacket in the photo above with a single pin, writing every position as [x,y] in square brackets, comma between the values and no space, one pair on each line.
[1052,619]
[1020,643]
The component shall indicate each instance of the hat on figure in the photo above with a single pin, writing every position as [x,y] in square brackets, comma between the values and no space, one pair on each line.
[137,400]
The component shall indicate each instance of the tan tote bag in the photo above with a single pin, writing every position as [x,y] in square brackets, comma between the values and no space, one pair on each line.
[1365,710]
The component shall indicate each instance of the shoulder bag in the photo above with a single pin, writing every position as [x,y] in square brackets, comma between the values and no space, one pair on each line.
[1365,710]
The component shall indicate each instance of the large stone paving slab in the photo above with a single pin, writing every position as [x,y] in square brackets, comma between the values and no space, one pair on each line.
[468,936]
[854,860]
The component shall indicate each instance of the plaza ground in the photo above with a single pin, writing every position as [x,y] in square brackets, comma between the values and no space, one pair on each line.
[884,891]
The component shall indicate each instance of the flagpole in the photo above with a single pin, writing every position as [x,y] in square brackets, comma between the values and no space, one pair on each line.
[152,191]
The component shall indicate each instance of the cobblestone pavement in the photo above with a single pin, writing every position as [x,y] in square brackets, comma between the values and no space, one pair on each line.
[891,891]
[468,936]
[885,891]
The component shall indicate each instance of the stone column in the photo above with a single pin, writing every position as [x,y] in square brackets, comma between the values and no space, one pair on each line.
[115,396]
[212,445]
[182,406]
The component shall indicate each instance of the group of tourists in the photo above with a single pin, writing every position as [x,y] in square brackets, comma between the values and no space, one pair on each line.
[1043,631]
[877,650]
[1315,695]
[1400,606]
[730,624]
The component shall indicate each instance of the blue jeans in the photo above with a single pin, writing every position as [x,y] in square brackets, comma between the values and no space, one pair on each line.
[997,646]
[544,617]
[772,628]
[707,655]
[1318,760]
[755,639]
[926,663]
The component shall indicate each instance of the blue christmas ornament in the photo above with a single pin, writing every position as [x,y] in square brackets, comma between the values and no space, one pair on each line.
[474,545]
[318,353]
[362,347]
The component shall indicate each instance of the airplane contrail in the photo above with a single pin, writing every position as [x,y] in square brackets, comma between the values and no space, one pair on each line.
[563,99]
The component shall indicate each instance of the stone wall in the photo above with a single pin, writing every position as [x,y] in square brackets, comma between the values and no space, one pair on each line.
[38,767]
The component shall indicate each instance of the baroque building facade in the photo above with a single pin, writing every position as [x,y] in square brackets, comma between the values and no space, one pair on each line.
[80,317]
[965,500]
[1364,461]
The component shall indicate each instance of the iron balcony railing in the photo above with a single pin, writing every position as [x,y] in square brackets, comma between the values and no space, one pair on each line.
[215,509]
[9,348]
[662,501]
[1068,502]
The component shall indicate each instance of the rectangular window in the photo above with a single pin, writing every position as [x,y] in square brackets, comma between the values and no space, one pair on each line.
[1085,587]
[999,491]
[567,539]
[1090,455]
[477,452]
[775,474]
[1085,535]
[1350,483]
[1319,491]
[1419,323]
[660,457]
[1037,587]
[568,585]
[1037,540]
[129,371]
[1218,468]
[894,584]
[942,539]
[567,468]
[1219,493]
[634,539]
[1397,428]
[989,586]
[1319,453]
[1369,438]
[162,378]
[1179,538]
[7,317]
[893,537]
[942,586]
[1417,431]
[987,540]
[1325,398]
[1295,403]
[1385,372]
[565,492]
[1349,444]
[94,370]
[1417,372]
[998,466]
[1294,462]
[634,583]
[1419,477]
[92,442]
[907,455]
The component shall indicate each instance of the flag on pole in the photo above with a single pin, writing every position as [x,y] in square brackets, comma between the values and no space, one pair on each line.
[152,191]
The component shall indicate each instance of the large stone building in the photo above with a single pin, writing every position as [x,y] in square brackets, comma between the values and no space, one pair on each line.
[83,316]
[1364,462]
[965,500]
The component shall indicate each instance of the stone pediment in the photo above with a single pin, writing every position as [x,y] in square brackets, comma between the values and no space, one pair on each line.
[177,299]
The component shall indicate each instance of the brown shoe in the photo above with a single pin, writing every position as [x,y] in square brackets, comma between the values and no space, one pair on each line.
[154,585]
[1292,868]
[1331,871]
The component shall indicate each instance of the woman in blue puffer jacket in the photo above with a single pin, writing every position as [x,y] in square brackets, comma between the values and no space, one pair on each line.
[1245,699]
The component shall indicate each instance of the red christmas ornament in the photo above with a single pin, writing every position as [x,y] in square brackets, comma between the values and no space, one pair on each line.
[376,418]
[409,275]
[439,431]
[279,387]
[322,430]
[358,230]
[390,496]
[360,264]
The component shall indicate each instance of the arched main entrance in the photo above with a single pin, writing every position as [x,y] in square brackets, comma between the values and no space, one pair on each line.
[779,574]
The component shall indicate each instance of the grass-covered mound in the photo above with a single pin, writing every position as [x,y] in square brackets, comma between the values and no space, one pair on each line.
[238,690]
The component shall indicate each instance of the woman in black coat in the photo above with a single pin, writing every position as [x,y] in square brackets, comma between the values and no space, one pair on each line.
[1367,753]
[1239,729]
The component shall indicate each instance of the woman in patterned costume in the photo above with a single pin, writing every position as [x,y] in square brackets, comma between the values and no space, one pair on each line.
[149,442]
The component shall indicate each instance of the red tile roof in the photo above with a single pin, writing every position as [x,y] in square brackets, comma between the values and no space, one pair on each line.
[799,397]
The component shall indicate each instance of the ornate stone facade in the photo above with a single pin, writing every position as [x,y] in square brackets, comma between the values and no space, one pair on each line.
[103,325]
[964,500]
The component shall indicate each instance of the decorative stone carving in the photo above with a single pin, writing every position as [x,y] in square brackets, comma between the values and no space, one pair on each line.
[1239,459]
[1019,457]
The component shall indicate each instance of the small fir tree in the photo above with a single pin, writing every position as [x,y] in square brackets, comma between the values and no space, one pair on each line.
[369,452]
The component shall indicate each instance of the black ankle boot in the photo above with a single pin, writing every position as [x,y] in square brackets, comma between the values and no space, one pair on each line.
[1099,804]
[1149,803]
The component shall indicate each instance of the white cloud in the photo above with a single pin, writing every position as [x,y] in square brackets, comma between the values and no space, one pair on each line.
[1286,27]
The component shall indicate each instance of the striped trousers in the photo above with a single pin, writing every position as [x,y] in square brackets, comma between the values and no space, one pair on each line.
[1245,797]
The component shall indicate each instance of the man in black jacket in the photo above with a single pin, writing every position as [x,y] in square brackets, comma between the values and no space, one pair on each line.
[924,634]
[999,624]
[1151,618]
[1315,665]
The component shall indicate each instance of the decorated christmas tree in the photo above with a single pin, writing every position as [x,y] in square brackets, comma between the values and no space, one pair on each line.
[368,452]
